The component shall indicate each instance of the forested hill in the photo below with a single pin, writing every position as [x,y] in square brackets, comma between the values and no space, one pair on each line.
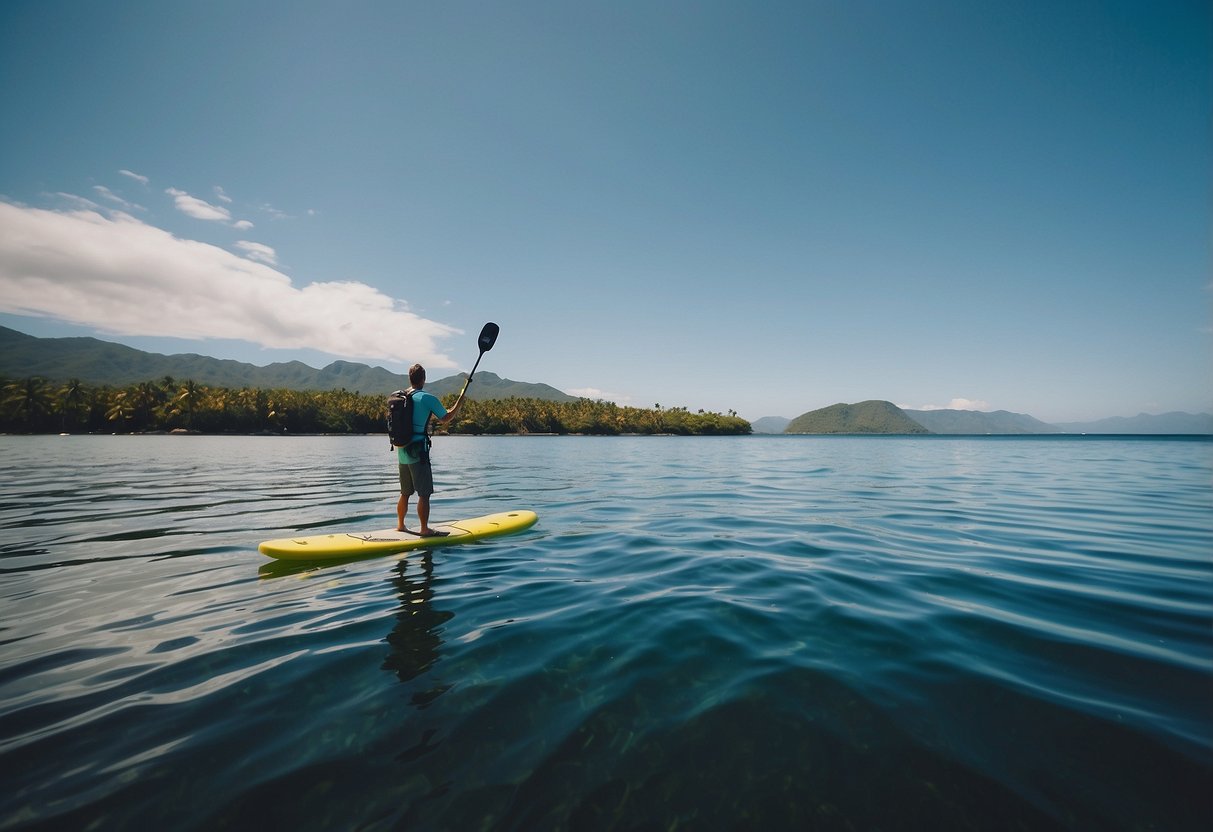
[98,362]
[864,417]
[488,386]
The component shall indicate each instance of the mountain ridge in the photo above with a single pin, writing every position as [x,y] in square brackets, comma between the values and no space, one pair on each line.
[95,361]
[982,423]
[975,422]
[1173,423]
[770,424]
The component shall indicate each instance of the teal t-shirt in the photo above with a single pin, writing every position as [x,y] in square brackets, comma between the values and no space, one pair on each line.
[424,405]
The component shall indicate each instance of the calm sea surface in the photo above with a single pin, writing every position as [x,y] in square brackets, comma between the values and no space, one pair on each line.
[700,633]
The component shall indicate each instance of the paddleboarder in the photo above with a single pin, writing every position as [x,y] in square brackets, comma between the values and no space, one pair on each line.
[416,474]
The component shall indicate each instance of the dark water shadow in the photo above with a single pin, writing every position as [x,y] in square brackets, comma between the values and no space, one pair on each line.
[416,638]
[276,568]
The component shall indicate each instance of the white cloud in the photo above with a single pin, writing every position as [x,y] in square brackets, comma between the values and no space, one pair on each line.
[79,202]
[197,208]
[125,277]
[117,200]
[222,195]
[955,404]
[599,395]
[259,252]
[274,212]
[142,180]
[200,209]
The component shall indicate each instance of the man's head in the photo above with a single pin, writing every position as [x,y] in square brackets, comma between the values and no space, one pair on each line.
[417,376]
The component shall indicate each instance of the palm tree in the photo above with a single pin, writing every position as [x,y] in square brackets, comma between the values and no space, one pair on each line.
[70,400]
[146,399]
[261,408]
[120,408]
[188,398]
[29,400]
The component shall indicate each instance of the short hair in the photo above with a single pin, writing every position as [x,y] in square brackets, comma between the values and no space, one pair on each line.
[416,375]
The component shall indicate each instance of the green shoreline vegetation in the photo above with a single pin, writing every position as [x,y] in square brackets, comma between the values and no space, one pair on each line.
[35,405]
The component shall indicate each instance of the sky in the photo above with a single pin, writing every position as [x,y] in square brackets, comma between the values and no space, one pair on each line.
[761,207]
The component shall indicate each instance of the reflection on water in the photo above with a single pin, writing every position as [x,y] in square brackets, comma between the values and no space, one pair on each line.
[416,639]
[776,633]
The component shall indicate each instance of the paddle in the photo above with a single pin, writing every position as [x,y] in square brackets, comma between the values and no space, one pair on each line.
[488,337]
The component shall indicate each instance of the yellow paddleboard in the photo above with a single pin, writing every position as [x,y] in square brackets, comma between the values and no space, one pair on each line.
[358,544]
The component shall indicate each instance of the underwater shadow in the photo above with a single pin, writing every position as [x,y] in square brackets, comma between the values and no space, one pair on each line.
[416,638]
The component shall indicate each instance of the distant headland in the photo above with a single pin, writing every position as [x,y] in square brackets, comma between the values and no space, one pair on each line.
[882,417]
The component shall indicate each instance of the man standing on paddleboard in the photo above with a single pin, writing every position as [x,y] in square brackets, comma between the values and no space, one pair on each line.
[414,458]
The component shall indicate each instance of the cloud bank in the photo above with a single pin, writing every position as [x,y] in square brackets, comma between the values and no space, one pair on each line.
[125,277]
[600,395]
[958,404]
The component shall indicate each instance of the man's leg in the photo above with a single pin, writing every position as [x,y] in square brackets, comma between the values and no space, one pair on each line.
[423,513]
[423,481]
[406,491]
[402,508]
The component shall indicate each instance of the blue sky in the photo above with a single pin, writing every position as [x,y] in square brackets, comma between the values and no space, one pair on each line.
[766,207]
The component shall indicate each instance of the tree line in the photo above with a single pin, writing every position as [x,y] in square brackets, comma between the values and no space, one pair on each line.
[35,405]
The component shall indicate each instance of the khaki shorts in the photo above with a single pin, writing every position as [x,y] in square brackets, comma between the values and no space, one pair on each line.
[418,477]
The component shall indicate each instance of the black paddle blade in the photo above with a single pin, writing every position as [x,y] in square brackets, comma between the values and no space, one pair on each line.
[488,336]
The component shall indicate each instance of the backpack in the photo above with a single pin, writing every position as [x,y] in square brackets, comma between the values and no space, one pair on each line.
[400,418]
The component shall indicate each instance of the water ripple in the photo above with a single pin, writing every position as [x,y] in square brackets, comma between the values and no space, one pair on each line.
[763,633]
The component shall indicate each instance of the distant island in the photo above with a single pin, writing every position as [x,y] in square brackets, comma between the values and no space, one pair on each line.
[882,417]
[864,417]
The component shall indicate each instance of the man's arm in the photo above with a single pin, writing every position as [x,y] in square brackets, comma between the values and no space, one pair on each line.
[454,411]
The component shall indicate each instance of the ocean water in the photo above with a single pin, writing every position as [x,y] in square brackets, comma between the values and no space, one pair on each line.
[700,633]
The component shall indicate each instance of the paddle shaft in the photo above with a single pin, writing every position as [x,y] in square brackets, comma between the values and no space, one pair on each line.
[469,378]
